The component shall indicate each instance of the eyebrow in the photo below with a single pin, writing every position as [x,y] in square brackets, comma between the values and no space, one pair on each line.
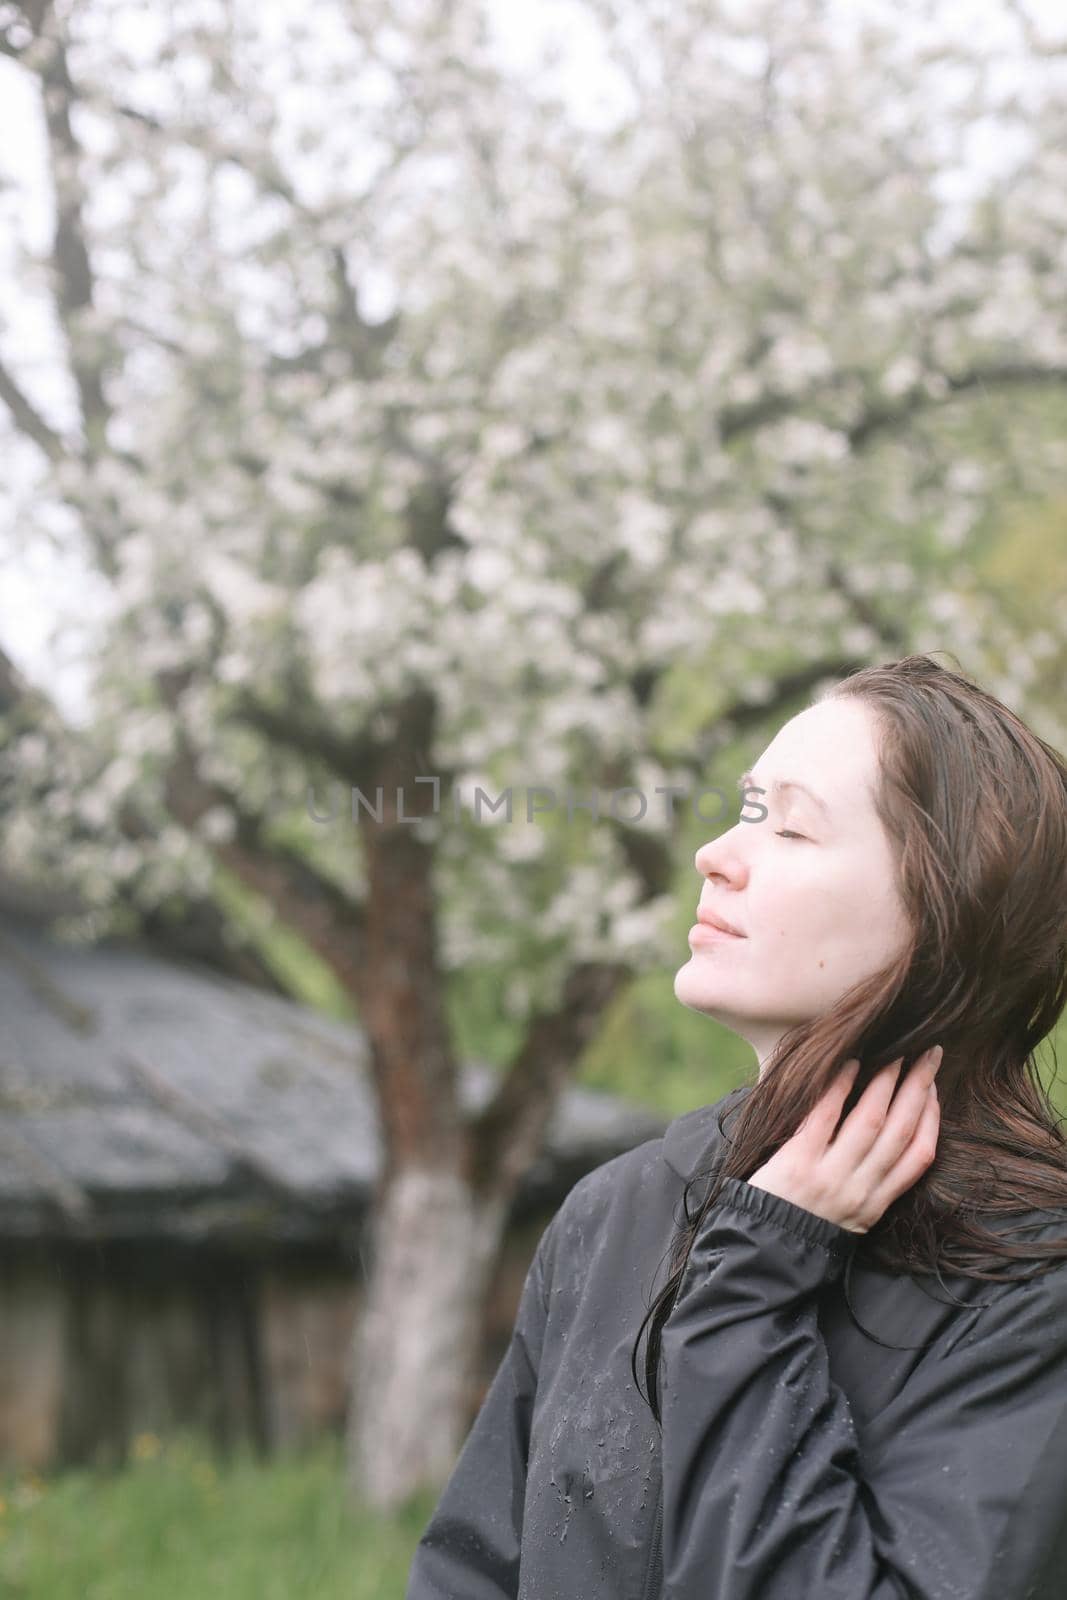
[779,785]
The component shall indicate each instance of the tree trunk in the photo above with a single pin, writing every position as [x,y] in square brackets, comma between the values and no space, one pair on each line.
[417,1345]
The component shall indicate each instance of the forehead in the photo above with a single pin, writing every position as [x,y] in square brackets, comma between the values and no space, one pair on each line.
[832,747]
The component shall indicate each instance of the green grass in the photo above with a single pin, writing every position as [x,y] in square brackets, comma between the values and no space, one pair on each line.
[180,1525]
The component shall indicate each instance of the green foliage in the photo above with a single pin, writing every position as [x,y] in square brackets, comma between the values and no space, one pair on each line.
[291,958]
[1051,1057]
[1024,562]
[180,1525]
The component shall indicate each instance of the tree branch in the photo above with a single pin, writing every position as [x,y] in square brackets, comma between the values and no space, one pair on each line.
[321,911]
[28,419]
[70,255]
[507,1135]
[1003,374]
[324,914]
[351,758]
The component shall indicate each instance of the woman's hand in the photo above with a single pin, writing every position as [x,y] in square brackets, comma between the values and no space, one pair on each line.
[880,1149]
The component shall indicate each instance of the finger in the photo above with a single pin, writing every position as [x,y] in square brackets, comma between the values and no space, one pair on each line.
[901,1122]
[829,1104]
[858,1133]
[917,1157]
[820,1122]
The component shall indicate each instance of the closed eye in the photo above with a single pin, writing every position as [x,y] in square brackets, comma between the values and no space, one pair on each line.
[784,833]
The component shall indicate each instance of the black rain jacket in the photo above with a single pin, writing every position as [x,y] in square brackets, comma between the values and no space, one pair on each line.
[800,1458]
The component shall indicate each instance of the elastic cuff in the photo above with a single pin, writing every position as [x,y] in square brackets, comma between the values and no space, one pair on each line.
[768,1207]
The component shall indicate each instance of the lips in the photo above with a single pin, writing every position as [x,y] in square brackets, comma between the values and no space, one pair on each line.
[710,919]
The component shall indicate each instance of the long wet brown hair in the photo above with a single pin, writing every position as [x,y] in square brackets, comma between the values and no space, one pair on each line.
[975,804]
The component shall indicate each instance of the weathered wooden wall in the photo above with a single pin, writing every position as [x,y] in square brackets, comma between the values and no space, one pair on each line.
[307,1322]
[100,1343]
[31,1361]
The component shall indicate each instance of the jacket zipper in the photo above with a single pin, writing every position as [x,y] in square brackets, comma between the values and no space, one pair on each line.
[653,1573]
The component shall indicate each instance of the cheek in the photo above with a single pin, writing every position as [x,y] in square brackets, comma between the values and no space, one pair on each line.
[820,903]
[805,906]
[826,920]
[859,932]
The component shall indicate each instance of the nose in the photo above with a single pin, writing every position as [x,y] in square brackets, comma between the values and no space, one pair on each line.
[720,859]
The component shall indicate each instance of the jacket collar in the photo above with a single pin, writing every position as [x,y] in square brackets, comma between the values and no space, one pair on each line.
[693,1139]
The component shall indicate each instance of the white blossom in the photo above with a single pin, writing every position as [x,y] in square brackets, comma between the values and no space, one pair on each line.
[610,430]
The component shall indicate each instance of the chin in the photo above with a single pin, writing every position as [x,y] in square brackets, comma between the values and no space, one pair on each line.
[696,989]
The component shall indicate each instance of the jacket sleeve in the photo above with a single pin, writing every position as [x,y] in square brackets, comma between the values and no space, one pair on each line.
[469,1549]
[768,1493]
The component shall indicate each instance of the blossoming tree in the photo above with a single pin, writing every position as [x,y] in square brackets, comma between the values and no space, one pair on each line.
[426,431]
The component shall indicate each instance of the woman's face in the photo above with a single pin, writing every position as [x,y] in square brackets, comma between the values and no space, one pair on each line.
[818,912]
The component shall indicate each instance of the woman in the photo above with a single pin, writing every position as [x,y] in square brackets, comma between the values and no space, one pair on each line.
[831,1425]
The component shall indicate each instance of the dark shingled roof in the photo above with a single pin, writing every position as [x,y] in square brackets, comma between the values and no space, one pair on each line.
[144,1097]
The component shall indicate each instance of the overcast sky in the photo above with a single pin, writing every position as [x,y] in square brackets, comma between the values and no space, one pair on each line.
[46,596]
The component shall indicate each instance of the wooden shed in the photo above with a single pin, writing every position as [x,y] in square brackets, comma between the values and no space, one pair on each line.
[186,1167]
